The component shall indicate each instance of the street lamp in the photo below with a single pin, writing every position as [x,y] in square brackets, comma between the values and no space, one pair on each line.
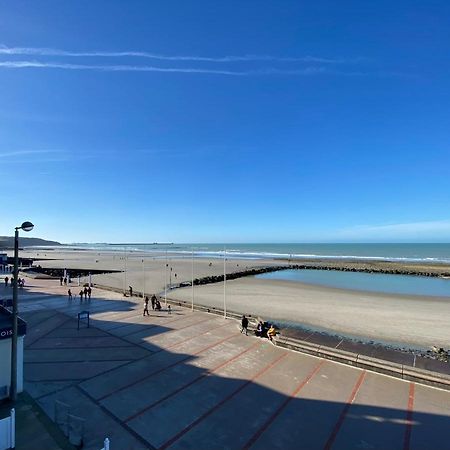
[26,226]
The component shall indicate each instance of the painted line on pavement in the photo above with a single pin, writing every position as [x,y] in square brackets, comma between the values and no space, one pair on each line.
[409,416]
[168,367]
[270,420]
[195,380]
[218,405]
[344,412]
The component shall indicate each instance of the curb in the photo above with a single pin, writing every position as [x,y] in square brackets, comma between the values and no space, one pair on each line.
[392,369]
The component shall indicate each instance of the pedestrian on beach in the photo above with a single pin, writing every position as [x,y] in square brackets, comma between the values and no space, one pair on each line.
[153,301]
[146,307]
[131,291]
[244,325]
[89,291]
[6,281]
[169,309]
[85,293]
[60,281]
[81,295]
[69,293]
[65,281]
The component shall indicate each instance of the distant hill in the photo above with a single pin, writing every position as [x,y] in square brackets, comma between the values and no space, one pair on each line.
[8,241]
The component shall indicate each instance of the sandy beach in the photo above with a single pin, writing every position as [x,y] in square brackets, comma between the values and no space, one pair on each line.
[412,321]
[418,322]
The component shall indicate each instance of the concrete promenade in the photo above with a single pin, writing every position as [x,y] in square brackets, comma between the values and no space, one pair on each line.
[191,380]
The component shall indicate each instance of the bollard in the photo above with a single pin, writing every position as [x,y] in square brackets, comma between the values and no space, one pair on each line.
[12,429]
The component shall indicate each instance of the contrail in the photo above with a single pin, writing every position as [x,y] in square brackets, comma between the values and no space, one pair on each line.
[36,51]
[131,68]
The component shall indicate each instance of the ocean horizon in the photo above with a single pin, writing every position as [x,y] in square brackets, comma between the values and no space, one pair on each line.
[407,252]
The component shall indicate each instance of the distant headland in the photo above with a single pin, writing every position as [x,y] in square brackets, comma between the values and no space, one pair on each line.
[8,242]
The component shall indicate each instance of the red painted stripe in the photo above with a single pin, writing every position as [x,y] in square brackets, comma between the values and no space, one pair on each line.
[270,420]
[344,412]
[216,407]
[409,416]
[168,367]
[176,391]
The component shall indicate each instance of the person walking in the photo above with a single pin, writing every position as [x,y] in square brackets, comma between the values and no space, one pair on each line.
[6,281]
[244,325]
[169,309]
[146,307]
[60,281]
[89,291]
[153,301]
[69,293]
[81,295]
[131,291]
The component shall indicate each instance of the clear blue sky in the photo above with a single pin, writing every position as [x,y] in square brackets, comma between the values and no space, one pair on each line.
[236,121]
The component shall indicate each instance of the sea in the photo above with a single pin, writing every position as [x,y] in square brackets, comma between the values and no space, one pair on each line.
[382,283]
[381,252]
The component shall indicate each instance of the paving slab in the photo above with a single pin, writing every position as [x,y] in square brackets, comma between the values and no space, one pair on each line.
[430,424]
[130,402]
[63,371]
[202,396]
[78,342]
[69,354]
[82,406]
[377,417]
[102,386]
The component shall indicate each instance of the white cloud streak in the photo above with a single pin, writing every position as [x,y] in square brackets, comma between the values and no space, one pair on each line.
[426,229]
[14,153]
[132,68]
[36,51]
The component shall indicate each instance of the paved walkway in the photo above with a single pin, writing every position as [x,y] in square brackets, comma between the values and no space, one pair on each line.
[191,380]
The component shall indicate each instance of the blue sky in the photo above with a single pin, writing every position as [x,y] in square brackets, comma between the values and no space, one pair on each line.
[255,121]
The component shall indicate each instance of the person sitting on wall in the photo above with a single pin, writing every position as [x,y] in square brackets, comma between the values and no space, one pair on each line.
[271,332]
[259,329]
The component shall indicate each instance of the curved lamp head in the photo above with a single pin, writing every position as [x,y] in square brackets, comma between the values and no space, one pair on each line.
[27,226]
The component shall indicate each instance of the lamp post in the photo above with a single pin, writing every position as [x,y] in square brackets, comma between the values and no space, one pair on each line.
[26,226]
[224,283]
[192,279]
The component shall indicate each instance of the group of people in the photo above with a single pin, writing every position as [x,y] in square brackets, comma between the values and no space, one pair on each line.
[86,292]
[64,280]
[156,305]
[263,329]
[20,282]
